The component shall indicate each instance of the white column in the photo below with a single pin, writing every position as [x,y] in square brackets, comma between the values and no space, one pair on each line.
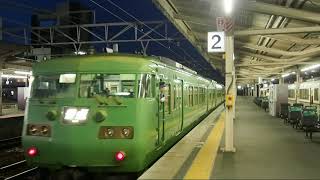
[281,80]
[230,88]
[297,84]
[234,90]
[1,90]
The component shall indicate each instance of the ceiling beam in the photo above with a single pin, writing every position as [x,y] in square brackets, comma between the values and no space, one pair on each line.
[274,64]
[249,78]
[264,73]
[195,20]
[277,51]
[273,9]
[254,32]
[294,39]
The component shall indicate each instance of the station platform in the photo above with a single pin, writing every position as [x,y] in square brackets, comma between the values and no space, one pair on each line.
[266,148]
[13,115]
[178,160]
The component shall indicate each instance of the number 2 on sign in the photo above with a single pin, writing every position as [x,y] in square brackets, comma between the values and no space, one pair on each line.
[216,42]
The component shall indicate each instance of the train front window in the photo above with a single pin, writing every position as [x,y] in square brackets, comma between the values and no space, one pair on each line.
[107,85]
[54,86]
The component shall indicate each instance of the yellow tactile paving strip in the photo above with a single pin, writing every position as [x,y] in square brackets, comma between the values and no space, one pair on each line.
[202,165]
[168,166]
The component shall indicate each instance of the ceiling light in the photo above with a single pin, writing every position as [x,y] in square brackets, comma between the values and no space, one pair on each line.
[310,67]
[23,72]
[14,76]
[80,53]
[228,6]
[288,74]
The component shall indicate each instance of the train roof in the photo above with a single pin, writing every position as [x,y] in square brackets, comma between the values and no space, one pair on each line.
[112,63]
[119,63]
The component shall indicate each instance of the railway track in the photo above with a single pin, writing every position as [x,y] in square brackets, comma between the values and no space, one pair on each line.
[12,162]
[16,170]
[10,142]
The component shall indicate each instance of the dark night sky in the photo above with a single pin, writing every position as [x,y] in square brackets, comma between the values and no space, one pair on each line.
[17,13]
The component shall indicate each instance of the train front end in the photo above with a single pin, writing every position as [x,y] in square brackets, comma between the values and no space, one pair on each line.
[91,120]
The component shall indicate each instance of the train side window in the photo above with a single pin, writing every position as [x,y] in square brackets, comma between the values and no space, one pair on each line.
[174,97]
[291,93]
[200,95]
[186,96]
[191,96]
[196,95]
[304,94]
[169,102]
[145,86]
[316,94]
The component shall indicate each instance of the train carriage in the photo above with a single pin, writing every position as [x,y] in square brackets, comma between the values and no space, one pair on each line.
[308,93]
[112,113]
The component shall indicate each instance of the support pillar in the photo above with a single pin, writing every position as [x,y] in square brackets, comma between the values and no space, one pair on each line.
[231,90]
[1,72]
[234,89]
[281,80]
[297,84]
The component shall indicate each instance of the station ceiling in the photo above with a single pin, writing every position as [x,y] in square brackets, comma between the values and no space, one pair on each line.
[271,37]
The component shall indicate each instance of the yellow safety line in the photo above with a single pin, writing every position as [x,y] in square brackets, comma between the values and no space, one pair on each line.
[203,163]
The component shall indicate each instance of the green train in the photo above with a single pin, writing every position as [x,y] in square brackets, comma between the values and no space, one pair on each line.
[114,113]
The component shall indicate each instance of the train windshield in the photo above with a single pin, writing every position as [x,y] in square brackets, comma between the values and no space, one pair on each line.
[54,86]
[107,85]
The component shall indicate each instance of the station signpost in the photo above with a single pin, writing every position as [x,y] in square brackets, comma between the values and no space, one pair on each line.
[223,41]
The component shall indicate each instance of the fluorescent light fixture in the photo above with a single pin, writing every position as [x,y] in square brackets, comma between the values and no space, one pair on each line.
[80,53]
[239,87]
[288,74]
[122,93]
[228,6]
[285,75]
[23,72]
[310,67]
[13,76]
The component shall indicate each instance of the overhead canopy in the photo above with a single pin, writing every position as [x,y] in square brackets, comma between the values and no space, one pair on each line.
[8,59]
[276,34]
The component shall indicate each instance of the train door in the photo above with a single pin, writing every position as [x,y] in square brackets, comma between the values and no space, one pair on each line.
[161,111]
[179,104]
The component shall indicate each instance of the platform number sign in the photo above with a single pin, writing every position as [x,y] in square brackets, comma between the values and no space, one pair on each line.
[216,42]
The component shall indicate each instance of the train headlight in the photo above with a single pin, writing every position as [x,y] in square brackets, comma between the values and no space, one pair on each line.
[39,130]
[75,115]
[109,132]
[126,132]
[32,129]
[44,130]
[116,132]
